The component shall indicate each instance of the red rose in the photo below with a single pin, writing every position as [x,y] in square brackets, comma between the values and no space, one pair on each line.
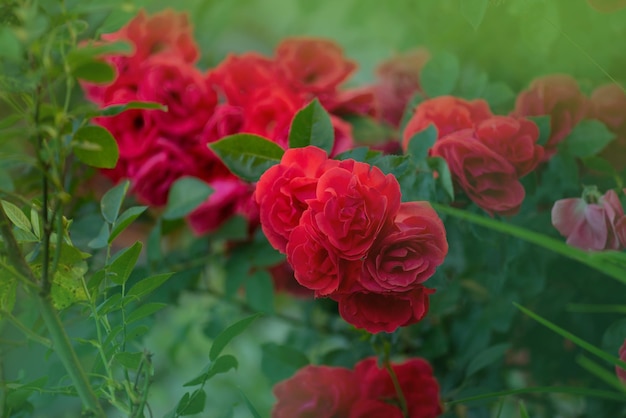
[376,312]
[354,201]
[408,253]
[559,97]
[284,281]
[419,386]
[608,105]
[398,81]
[164,32]
[226,120]
[316,391]
[153,175]
[485,176]
[449,114]
[514,139]
[230,196]
[343,136]
[312,64]
[591,222]
[239,76]
[371,408]
[283,190]
[189,99]
[354,101]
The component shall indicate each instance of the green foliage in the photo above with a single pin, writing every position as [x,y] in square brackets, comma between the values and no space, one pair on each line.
[312,126]
[280,362]
[474,11]
[228,334]
[587,139]
[95,146]
[247,156]
[185,195]
[440,74]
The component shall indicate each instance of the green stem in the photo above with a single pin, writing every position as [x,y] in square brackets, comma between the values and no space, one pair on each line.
[27,331]
[396,382]
[64,349]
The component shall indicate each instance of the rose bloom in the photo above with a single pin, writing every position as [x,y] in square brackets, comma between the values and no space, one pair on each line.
[343,136]
[312,65]
[398,81]
[415,376]
[514,139]
[621,373]
[487,178]
[167,31]
[408,253]
[448,114]
[153,175]
[353,202]
[239,76]
[371,408]
[608,104]
[591,222]
[354,101]
[284,281]
[559,97]
[316,392]
[283,190]
[183,89]
[383,312]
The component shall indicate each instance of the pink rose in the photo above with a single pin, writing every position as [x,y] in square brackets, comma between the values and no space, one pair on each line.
[559,97]
[514,139]
[353,202]
[383,312]
[316,391]
[419,386]
[487,178]
[448,114]
[283,190]
[408,253]
[591,222]
[312,64]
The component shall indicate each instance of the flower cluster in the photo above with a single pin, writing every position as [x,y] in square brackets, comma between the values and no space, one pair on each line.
[247,93]
[348,236]
[486,154]
[592,222]
[365,392]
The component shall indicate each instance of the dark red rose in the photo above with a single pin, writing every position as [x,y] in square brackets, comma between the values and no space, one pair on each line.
[239,76]
[448,114]
[378,312]
[316,392]
[487,178]
[514,139]
[153,175]
[283,190]
[312,64]
[559,97]
[353,202]
[184,90]
[354,101]
[231,196]
[408,252]
[419,386]
[284,281]
[398,81]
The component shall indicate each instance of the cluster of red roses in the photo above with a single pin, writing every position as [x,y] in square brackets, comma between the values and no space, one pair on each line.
[365,392]
[247,93]
[347,236]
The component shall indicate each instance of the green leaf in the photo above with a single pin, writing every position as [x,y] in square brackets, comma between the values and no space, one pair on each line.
[588,138]
[10,45]
[474,11]
[185,195]
[499,96]
[600,165]
[114,110]
[601,373]
[440,74]
[146,286]
[85,54]
[222,365]
[486,357]
[95,146]
[543,123]
[421,143]
[192,404]
[112,201]
[312,126]
[17,217]
[34,220]
[247,156]
[8,293]
[601,394]
[127,218]
[251,408]
[228,334]
[113,303]
[444,179]
[102,239]
[523,413]
[260,291]
[129,360]
[278,362]
[144,311]
[124,263]
[94,71]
